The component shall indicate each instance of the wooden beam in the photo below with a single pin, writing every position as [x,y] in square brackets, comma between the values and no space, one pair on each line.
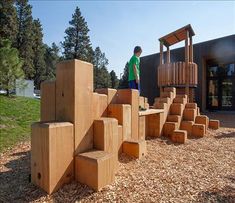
[168,56]
[187,64]
[190,49]
[161,53]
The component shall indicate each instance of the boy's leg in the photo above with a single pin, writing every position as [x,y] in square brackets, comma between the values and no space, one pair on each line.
[133,84]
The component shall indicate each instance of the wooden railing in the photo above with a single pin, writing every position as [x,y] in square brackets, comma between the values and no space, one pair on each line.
[174,74]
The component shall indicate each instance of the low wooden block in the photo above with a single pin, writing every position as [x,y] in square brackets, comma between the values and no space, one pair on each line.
[173,118]
[141,101]
[111,94]
[189,114]
[169,128]
[154,124]
[136,149]
[187,125]
[142,128]
[52,149]
[48,104]
[179,136]
[122,112]
[198,130]
[99,105]
[176,109]
[202,119]
[120,139]
[191,106]
[95,169]
[214,124]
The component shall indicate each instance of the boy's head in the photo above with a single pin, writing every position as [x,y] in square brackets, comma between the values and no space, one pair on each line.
[137,50]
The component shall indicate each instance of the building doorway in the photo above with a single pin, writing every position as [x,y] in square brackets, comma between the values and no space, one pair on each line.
[220,86]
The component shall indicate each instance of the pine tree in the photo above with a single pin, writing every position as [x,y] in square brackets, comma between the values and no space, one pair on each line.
[102,77]
[24,42]
[77,43]
[10,66]
[38,54]
[8,20]
[114,80]
[124,80]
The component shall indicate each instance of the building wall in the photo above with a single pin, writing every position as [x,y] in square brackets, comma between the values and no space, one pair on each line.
[221,49]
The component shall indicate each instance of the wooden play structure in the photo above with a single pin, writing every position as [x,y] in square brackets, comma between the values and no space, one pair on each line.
[82,132]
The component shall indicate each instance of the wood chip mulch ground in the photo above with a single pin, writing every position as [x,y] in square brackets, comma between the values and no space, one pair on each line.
[203,170]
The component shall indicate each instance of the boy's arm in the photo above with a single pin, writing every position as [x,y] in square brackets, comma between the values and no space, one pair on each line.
[136,75]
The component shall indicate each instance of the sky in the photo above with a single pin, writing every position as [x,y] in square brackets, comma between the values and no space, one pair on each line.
[118,26]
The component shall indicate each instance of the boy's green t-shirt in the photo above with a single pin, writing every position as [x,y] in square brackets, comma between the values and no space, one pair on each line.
[134,60]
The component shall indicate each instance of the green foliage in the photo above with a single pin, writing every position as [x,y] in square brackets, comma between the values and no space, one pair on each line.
[102,77]
[10,66]
[124,80]
[16,116]
[114,80]
[8,20]
[77,43]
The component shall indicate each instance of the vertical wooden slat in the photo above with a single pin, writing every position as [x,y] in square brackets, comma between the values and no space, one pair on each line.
[191,49]
[161,53]
[168,56]
[187,63]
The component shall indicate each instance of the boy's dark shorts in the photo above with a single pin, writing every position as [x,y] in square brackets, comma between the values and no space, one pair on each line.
[134,85]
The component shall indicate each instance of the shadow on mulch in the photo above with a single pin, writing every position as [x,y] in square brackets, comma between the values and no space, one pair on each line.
[225,195]
[226,135]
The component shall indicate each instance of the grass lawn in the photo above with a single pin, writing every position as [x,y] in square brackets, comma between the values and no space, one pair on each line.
[16,116]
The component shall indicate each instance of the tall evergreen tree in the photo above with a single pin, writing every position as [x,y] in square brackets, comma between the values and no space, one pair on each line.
[38,54]
[25,36]
[8,20]
[77,43]
[114,80]
[102,77]
[10,66]
[124,80]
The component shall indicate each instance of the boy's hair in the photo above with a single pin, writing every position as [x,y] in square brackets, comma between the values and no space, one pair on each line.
[137,49]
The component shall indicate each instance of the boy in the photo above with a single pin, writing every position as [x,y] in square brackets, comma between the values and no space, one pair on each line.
[134,69]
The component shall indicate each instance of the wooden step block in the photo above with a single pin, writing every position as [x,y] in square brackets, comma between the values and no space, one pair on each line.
[173,118]
[130,96]
[106,134]
[163,100]
[99,105]
[169,128]
[179,136]
[170,89]
[214,124]
[167,94]
[74,90]
[202,119]
[111,94]
[48,104]
[134,148]
[198,130]
[176,109]
[180,100]
[95,169]
[141,101]
[160,106]
[182,96]
[154,124]
[52,149]
[122,112]
[189,114]
[142,128]
[187,125]
[120,139]
[191,106]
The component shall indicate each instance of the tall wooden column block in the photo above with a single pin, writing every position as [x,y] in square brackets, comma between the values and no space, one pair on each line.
[154,124]
[120,139]
[111,94]
[122,112]
[52,150]
[142,127]
[99,105]
[48,101]
[130,96]
[74,89]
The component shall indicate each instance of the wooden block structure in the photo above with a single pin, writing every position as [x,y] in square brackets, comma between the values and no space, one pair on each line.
[52,152]
[134,148]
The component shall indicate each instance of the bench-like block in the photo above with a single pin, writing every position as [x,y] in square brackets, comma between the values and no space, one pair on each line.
[95,169]
[134,148]
[189,114]
[52,149]
[214,124]
[198,130]
[176,109]
[169,128]
[179,136]
[191,106]
[202,119]
[187,125]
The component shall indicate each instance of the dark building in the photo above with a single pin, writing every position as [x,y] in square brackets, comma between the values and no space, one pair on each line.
[216,73]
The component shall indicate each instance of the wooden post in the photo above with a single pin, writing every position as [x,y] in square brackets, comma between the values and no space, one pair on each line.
[187,64]
[161,53]
[168,56]
[190,49]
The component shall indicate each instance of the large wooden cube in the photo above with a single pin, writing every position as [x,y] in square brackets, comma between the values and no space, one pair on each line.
[187,125]
[134,148]
[198,130]
[122,112]
[95,169]
[154,124]
[169,128]
[52,148]
[189,114]
[74,89]
[179,136]
[176,109]
[48,101]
